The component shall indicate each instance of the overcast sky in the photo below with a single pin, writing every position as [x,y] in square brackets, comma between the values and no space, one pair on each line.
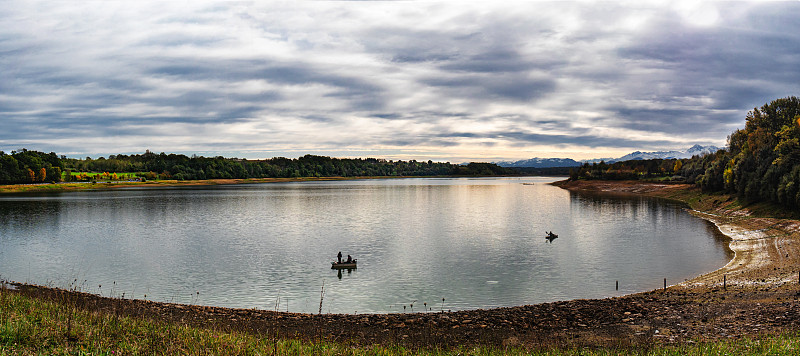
[447,81]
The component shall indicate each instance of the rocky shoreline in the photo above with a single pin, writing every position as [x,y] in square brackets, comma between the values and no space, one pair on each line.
[756,293]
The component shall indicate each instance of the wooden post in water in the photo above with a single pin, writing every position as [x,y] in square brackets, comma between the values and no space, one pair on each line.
[665,284]
[617,285]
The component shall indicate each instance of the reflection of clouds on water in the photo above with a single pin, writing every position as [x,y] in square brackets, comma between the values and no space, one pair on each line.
[475,242]
[654,236]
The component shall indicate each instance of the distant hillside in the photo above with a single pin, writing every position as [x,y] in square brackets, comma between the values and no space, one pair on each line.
[695,150]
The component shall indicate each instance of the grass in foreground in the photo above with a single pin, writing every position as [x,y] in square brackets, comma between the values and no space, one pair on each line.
[32,326]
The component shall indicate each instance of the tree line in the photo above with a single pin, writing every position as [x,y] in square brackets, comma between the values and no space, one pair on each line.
[25,166]
[15,168]
[630,170]
[761,162]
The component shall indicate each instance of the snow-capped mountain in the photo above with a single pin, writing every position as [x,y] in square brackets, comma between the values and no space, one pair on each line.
[568,162]
[540,163]
[702,150]
[692,151]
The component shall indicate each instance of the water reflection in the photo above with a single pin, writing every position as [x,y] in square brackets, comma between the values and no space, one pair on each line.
[26,213]
[640,231]
[475,242]
[348,270]
[622,208]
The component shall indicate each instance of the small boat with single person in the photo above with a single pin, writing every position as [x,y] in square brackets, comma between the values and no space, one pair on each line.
[550,236]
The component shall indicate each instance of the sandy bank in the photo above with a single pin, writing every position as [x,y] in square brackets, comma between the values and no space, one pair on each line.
[766,250]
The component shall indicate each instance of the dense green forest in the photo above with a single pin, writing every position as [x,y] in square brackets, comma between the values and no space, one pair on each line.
[630,170]
[760,164]
[36,167]
[30,167]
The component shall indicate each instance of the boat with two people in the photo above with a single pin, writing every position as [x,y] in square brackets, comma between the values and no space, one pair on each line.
[349,263]
[550,236]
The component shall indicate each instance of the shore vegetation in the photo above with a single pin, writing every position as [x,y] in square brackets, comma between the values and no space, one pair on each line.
[30,326]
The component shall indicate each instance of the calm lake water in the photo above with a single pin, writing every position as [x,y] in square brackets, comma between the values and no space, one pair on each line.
[478,243]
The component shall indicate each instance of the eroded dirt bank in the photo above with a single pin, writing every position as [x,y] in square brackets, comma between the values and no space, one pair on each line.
[756,293]
[766,249]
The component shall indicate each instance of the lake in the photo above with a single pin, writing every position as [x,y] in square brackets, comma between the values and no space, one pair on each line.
[477,243]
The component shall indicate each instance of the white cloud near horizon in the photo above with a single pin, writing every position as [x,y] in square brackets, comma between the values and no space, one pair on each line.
[403,80]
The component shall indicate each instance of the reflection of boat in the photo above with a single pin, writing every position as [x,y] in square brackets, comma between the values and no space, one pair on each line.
[344,265]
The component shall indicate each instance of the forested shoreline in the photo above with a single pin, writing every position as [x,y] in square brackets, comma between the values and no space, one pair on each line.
[25,167]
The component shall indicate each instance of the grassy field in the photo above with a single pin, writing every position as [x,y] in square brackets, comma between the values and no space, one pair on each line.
[105,176]
[32,326]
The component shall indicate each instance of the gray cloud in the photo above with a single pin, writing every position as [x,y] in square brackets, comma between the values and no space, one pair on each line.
[507,86]
[524,138]
[674,121]
[741,65]
[502,60]
[453,80]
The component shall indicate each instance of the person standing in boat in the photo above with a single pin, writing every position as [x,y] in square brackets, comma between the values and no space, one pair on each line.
[339,256]
[349,259]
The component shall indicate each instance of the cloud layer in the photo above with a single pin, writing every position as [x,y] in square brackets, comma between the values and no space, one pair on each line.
[430,80]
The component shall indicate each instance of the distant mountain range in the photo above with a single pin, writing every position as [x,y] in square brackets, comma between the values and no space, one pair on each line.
[540,163]
[568,162]
[695,150]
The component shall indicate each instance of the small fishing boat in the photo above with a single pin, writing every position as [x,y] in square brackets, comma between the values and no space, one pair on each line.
[344,265]
[550,236]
